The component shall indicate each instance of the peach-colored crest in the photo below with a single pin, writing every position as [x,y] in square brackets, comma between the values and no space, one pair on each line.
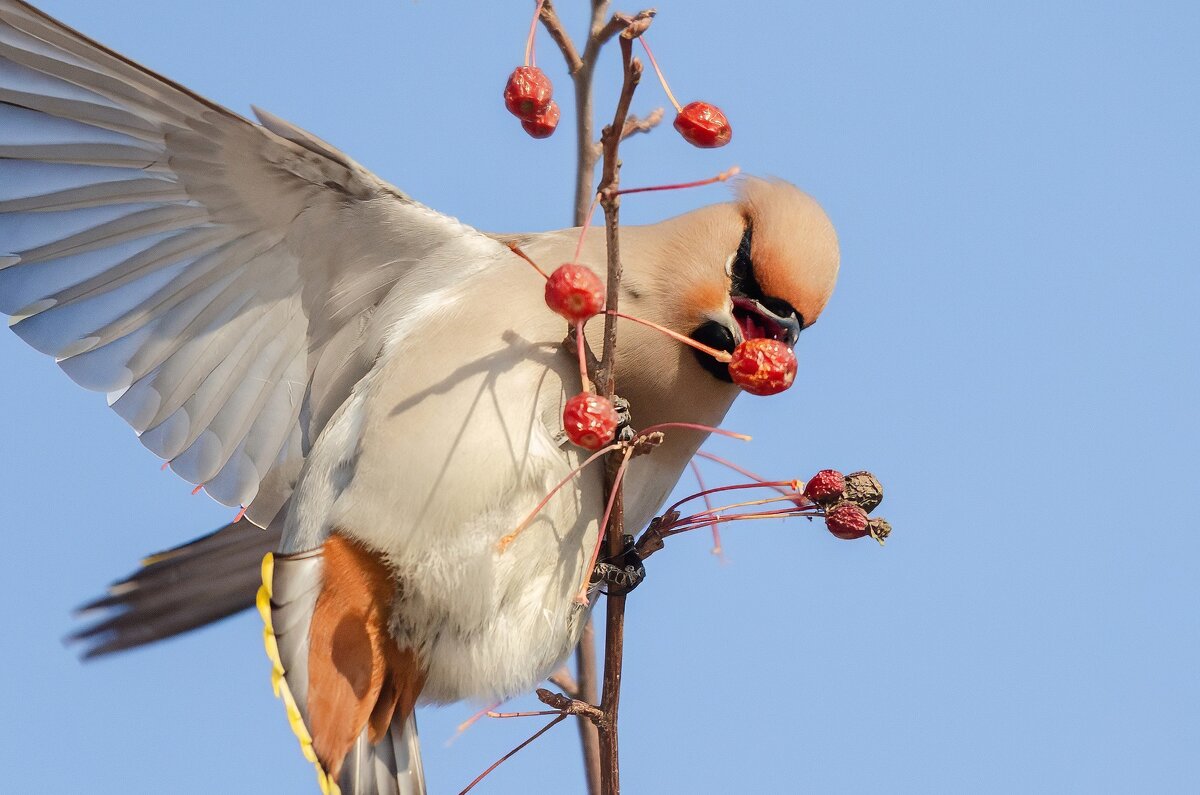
[794,247]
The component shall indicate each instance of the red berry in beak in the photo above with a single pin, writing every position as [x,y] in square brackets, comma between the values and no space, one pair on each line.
[575,292]
[544,124]
[763,366]
[590,420]
[846,520]
[825,487]
[527,93]
[703,125]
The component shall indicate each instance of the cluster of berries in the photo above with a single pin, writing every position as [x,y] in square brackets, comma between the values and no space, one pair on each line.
[847,499]
[760,366]
[529,95]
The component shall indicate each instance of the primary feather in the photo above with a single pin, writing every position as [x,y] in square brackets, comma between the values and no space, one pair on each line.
[216,277]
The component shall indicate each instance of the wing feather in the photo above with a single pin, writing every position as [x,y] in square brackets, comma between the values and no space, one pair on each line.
[218,279]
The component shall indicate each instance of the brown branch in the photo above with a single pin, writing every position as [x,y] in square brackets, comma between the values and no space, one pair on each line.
[571,706]
[634,125]
[614,636]
[563,680]
[554,27]
[589,737]
[582,68]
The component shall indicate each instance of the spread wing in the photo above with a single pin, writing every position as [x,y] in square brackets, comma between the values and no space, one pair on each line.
[215,277]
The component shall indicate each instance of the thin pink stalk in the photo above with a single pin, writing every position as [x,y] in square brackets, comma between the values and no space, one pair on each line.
[741,437]
[581,597]
[658,72]
[719,489]
[720,356]
[513,753]
[530,53]
[716,530]
[504,542]
[524,714]
[724,175]
[740,470]
[580,347]
[587,222]
[471,721]
[673,530]
[709,511]
[514,248]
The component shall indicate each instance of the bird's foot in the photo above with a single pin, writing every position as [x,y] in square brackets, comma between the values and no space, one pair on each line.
[622,572]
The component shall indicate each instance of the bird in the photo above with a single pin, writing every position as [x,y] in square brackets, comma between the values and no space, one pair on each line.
[378,386]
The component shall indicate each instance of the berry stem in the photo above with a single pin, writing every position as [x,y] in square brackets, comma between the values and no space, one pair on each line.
[514,248]
[504,542]
[716,530]
[725,462]
[587,222]
[695,426]
[719,489]
[561,717]
[658,72]
[530,53]
[717,512]
[720,356]
[533,714]
[724,175]
[581,598]
[581,348]
[471,721]
[684,526]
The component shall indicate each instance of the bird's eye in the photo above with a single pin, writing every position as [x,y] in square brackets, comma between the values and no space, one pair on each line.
[741,269]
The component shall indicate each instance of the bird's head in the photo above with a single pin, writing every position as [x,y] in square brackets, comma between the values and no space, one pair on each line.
[763,266]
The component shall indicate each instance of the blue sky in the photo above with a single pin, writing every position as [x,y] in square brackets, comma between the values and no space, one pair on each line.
[1012,347]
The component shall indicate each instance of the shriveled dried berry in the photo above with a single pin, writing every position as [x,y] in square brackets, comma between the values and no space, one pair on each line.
[846,520]
[527,93]
[544,124]
[879,529]
[763,366]
[825,487]
[864,489]
[575,292]
[590,420]
[703,125]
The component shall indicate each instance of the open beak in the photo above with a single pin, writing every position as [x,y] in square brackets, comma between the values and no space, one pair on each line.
[755,321]
[752,319]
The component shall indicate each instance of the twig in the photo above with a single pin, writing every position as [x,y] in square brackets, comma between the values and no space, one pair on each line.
[571,706]
[563,680]
[554,27]
[589,736]
[634,125]
[513,752]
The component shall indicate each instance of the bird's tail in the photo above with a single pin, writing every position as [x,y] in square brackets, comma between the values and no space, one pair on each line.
[287,600]
[180,589]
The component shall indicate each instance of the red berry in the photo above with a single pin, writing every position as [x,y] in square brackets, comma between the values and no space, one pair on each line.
[763,366]
[575,292]
[527,93]
[590,420]
[827,486]
[846,520]
[703,125]
[544,124]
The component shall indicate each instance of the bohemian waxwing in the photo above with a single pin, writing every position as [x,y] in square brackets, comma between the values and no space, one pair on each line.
[380,385]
